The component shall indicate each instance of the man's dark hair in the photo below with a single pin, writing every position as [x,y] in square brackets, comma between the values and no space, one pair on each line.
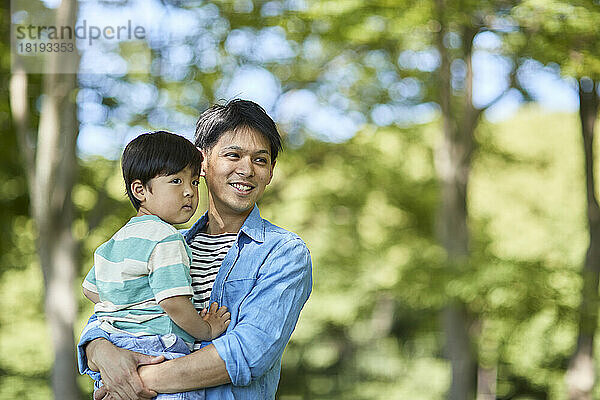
[157,153]
[236,114]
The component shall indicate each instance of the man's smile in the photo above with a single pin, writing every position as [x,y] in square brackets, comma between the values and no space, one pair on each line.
[243,188]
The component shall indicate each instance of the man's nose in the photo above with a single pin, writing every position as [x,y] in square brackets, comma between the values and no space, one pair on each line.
[245,167]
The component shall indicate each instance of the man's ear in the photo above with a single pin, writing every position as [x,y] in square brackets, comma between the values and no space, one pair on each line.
[138,190]
[204,162]
[271,174]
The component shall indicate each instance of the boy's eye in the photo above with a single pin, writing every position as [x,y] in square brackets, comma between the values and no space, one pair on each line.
[261,160]
[195,182]
[176,180]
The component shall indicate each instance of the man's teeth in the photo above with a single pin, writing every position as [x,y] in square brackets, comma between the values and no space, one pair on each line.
[239,186]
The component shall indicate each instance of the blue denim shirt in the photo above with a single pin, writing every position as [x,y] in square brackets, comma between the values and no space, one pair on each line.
[264,280]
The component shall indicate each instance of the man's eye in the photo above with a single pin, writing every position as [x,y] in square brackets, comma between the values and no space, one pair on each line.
[232,155]
[176,180]
[261,160]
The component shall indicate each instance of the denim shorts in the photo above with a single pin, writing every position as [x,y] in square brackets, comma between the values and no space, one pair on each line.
[171,346]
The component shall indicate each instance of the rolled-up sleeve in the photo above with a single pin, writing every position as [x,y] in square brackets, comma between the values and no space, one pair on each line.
[268,315]
[89,333]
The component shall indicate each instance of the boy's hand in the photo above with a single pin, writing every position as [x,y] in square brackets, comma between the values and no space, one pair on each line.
[218,318]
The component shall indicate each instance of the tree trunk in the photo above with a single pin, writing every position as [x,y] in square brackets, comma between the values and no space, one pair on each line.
[453,164]
[581,375]
[51,166]
[486,383]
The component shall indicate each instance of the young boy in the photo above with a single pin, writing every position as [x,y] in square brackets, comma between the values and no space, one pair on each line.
[140,281]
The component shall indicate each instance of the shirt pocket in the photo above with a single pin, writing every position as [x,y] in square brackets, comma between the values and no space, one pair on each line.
[235,291]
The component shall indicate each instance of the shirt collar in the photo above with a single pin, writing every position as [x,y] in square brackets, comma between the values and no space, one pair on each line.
[253,226]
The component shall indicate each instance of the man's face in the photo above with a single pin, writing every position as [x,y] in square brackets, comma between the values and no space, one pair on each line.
[237,169]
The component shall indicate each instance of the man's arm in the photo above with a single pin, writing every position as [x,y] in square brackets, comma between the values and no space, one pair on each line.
[119,369]
[95,351]
[266,320]
[202,368]
[268,315]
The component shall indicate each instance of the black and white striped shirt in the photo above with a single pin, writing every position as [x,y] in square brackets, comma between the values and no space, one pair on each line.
[208,252]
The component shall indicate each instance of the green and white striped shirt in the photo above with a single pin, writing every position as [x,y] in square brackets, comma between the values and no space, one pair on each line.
[145,262]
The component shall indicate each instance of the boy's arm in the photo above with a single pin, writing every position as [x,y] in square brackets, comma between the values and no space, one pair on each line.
[90,290]
[93,297]
[170,281]
[181,310]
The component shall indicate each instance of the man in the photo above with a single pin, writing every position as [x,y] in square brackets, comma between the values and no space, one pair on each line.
[263,275]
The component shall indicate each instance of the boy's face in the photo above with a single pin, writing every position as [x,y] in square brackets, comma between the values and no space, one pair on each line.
[173,198]
[237,169]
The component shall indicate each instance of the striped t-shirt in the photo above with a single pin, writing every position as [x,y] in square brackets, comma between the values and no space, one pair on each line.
[208,252]
[145,262]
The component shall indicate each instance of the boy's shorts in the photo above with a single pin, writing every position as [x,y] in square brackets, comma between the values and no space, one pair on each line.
[171,346]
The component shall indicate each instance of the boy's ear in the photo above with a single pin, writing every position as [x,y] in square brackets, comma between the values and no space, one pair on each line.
[138,190]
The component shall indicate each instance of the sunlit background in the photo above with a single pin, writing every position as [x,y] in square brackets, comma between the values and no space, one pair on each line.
[357,91]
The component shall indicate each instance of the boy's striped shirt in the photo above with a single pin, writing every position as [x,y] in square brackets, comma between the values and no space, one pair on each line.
[146,261]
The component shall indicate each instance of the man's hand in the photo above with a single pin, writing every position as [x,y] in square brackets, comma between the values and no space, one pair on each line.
[119,370]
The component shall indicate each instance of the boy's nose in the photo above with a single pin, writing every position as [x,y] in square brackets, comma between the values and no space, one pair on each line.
[188,191]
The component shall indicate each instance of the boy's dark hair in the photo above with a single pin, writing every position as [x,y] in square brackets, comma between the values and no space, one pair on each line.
[157,153]
[218,119]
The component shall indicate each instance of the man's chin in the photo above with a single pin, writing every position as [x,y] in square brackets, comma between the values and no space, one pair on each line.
[243,208]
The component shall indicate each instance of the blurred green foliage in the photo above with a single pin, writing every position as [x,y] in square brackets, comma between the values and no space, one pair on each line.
[365,207]
[370,329]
